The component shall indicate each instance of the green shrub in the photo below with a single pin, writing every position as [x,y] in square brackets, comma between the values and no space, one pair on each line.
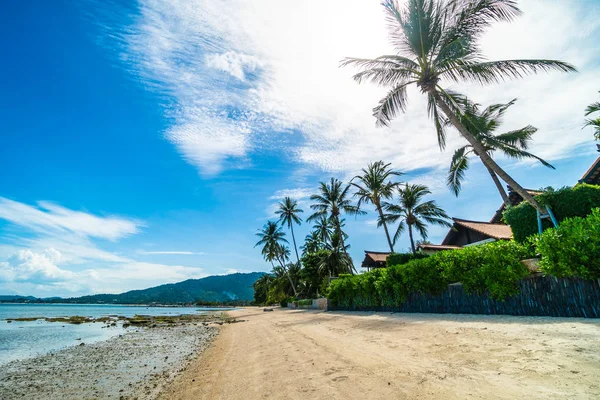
[573,248]
[567,202]
[402,258]
[306,302]
[493,267]
[283,303]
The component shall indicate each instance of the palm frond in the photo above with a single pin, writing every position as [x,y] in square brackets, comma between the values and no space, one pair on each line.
[497,71]
[393,103]
[458,167]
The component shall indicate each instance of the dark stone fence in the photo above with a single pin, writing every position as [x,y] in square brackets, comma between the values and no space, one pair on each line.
[539,296]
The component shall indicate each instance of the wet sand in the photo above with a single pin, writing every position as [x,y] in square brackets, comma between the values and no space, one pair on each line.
[135,365]
[300,354]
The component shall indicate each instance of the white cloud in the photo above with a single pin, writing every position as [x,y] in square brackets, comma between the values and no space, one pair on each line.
[295,194]
[28,266]
[282,74]
[49,217]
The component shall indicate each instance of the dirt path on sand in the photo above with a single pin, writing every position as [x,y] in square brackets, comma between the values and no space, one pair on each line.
[299,354]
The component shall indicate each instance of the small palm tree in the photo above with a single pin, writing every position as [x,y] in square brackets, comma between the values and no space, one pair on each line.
[439,39]
[271,240]
[312,243]
[482,124]
[288,214]
[375,185]
[336,261]
[323,229]
[331,202]
[595,123]
[414,213]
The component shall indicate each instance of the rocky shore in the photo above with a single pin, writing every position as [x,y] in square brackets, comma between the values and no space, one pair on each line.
[135,365]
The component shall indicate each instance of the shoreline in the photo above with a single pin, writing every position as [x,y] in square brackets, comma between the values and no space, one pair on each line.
[134,365]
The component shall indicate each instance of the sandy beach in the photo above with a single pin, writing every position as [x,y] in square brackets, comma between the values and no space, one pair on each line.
[300,354]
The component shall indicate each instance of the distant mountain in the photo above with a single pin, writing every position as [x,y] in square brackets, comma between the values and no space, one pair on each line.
[14,297]
[220,288]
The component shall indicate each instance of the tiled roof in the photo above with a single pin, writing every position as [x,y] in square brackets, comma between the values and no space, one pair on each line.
[376,256]
[496,231]
[437,247]
[592,175]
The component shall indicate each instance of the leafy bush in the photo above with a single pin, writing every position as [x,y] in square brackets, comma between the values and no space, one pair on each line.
[402,258]
[573,248]
[306,302]
[493,267]
[567,202]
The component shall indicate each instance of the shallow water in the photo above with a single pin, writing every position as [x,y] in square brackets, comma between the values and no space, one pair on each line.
[19,340]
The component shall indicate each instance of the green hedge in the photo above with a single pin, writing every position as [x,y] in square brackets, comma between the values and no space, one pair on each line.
[402,258]
[567,202]
[572,249]
[306,302]
[493,267]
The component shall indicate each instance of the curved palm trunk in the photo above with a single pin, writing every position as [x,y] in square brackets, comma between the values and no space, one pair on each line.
[295,247]
[287,272]
[385,228]
[412,241]
[485,157]
[499,186]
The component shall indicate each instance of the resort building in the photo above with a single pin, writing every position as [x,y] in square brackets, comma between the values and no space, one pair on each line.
[374,259]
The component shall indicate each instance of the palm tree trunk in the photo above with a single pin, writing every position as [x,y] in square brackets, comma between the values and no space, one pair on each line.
[295,247]
[412,242]
[339,231]
[385,228]
[287,272]
[485,157]
[499,186]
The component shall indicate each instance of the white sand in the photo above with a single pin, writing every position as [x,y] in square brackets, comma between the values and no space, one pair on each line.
[299,354]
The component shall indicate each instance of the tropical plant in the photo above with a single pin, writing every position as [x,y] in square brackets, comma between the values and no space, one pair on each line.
[439,39]
[271,239]
[333,200]
[482,124]
[375,185]
[323,229]
[594,123]
[336,260]
[312,243]
[288,214]
[412,212]
[261,288]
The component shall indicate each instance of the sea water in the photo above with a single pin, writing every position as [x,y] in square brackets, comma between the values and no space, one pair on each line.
[24,339]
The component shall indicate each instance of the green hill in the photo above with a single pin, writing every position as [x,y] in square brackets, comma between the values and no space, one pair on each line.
[220,288]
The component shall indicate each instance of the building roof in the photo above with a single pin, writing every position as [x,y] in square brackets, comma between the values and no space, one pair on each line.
[494,231]
[375,258]
[592,175]
[438,247]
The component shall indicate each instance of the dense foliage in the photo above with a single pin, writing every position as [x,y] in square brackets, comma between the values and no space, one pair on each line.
[403,258]
[494,268]
[573,248]
[567,202]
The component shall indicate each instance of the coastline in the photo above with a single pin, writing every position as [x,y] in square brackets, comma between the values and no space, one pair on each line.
[134,365]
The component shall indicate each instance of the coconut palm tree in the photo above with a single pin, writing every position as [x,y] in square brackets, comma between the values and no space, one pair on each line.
[331,202]
[271,240]
[595,123]
[482,124]
[336,261]
[312,243]
[323,229]
[375,185]
[437,40]
[414,213]
[288,214]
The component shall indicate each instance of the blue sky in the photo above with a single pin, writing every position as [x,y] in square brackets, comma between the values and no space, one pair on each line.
[145,143]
